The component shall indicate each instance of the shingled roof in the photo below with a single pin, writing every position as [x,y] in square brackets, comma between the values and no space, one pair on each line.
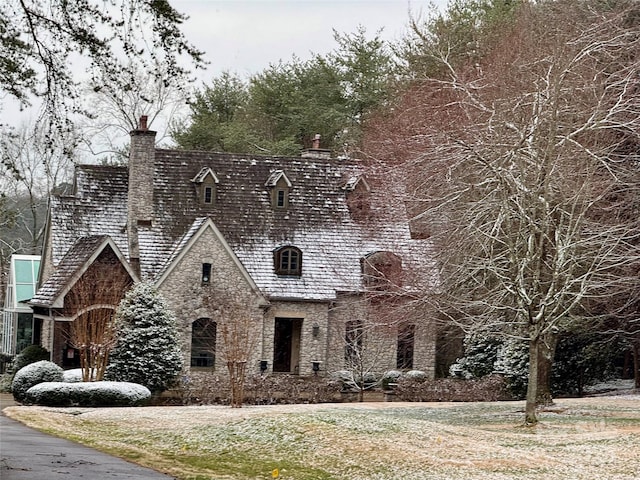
[317,220]
[72,265]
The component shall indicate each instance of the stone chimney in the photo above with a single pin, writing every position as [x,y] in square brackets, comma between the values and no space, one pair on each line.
[140,191]
[316,151]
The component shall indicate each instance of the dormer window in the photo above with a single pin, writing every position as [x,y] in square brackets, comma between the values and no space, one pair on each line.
[288,261]
[382,271]
[206,182]
[279,187]
[357,192]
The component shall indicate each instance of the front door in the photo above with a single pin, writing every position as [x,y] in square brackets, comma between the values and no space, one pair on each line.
[286,345]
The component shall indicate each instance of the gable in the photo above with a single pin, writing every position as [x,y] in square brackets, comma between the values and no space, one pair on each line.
[78,260]
[204,244]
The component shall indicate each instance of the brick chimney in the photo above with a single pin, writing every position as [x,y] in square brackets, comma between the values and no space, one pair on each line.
[140,191]
[316,151]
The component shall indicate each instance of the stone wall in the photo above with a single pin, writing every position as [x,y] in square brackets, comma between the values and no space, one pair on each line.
[319,334]
[228,291]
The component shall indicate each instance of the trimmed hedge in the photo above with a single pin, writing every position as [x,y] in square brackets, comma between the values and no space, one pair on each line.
[204,388]
[490,388]
[33,374]
[88,394]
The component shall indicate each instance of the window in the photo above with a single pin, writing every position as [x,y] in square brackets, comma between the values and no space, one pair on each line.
[26,275]
[406,339]
[203,343]
[382,271]
[353,342]
[288,261]
[281,197]
[208,194]
[206,273]
[358,197]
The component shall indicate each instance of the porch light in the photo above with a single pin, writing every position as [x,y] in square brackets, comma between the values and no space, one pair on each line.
[316,330]
[315,366]
[263,366]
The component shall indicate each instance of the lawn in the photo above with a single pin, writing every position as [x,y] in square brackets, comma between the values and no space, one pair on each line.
[592,438]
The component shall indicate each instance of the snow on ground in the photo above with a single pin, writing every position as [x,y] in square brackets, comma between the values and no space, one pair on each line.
[578,439]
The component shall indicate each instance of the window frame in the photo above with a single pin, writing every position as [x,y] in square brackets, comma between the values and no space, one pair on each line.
[353,342]
[284,263]
[206,273]
[203,354]
[207,195]
[406,346]
[280,198]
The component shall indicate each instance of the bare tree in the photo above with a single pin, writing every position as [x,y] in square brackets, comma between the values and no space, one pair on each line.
[32,165]
[518,173]
[385,325]
[42,40]
[238,329]
[92,303]
[114,111]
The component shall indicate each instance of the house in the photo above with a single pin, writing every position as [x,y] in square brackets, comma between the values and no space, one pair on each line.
[309,249]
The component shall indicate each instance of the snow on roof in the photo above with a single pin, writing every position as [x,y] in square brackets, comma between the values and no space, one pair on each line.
[317,219]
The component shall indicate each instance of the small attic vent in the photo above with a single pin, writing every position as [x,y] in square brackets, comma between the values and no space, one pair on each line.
[205,182]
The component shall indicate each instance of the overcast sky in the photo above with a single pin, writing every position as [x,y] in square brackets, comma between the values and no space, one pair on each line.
[244,36]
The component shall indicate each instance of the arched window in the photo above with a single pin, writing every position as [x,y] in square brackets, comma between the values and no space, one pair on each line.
[203,343]
[382,271]
[288,261]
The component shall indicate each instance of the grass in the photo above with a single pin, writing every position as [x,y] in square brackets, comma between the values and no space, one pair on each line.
[576,439]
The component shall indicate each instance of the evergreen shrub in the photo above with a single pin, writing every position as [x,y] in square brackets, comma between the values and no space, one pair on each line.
[147,351]
[33,374]
[88,394]
[31,354]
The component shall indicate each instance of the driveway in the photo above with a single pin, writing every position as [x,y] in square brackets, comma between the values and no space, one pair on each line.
[27,454]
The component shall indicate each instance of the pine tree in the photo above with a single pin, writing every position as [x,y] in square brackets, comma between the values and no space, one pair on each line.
[147,351]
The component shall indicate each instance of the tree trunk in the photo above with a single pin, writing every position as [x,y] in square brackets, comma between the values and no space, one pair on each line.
[532,386]
[236,378]
[546,354]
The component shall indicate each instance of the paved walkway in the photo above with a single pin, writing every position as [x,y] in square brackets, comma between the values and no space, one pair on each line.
[27,454]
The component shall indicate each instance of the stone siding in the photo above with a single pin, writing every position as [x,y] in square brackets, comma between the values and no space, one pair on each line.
[190,299]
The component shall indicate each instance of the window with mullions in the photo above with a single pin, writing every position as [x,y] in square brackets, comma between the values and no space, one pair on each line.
[203,343]
[208,194]
[288,261]
[25,269]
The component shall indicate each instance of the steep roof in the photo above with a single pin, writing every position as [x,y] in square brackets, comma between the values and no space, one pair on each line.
[317,219]
[73,264]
